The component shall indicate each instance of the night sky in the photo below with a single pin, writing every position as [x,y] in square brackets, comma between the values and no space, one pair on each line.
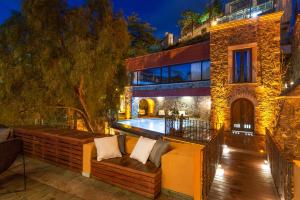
[162,14]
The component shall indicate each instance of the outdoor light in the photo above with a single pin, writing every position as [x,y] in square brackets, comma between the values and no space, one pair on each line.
[292,83]
[160,98]
[214,23]
[261,151]
[285,85]
[226,150]
[265,166]
[220,171]
[254,15]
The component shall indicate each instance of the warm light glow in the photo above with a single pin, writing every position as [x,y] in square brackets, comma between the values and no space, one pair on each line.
[151,105]
[160,99]
[226,150]
[214,23]
[187,98]
[286,85]
[265,167]
[220,171]
[292,83]
[261,151]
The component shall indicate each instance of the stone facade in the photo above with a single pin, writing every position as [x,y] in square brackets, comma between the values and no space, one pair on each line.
[296,50]
[198,107]
[262,35]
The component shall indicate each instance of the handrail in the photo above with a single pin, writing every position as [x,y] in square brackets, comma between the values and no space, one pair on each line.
[212,154]
[281,165]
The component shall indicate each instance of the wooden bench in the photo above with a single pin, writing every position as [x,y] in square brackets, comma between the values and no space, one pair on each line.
[129,174]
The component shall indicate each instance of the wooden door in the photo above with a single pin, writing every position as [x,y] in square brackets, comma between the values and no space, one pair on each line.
[242,115]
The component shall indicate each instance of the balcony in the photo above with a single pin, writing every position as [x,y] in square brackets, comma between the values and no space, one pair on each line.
[249,12]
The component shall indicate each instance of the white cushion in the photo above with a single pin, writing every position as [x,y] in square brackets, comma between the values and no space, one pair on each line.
[107,147]
[181,112]
[4,133]
[142,149]
[161,113]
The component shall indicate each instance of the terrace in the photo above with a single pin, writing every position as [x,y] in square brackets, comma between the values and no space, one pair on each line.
[205,121]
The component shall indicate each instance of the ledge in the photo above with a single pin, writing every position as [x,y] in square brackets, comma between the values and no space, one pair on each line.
[242,84]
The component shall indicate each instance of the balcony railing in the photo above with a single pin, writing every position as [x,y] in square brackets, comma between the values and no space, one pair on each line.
[212,154]
[248,12]
[193,130]
[281,164]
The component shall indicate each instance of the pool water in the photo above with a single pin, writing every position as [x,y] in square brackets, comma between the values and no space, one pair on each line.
[152,124]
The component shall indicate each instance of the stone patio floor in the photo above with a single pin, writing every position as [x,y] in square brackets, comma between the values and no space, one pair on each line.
[49,182]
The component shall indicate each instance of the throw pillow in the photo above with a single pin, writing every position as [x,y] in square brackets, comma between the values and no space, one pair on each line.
[121,141]
[159,149]
[142,149]
[4,133]
[107,147]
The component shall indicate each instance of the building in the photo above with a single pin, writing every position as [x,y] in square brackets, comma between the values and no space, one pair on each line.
[233,79]
[177,78]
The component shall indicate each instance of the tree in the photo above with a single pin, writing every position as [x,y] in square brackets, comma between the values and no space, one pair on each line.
[142,37]
[53,56]
[189,20]
[214,9]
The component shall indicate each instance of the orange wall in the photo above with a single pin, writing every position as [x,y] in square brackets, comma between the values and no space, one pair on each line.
[181,166]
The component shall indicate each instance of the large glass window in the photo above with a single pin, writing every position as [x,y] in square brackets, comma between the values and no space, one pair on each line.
[206,70]
[196,71]
[172,74]
[180,73]
[149,76]
[134,78]
[242,68]
[186,72]
[165,74]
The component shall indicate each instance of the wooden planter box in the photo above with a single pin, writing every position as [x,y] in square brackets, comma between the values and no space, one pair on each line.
[61,147]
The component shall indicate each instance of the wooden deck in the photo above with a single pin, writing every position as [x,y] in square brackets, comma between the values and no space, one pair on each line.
[49,182]
[245,178]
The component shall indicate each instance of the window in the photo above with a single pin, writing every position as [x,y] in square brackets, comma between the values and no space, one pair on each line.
[185,72]
[134,78]
[165,75]
[205,70]
[242,66]
[180,73]
[149,76]
[172,74]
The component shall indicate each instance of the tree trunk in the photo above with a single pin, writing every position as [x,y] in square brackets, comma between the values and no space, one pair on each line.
[83,104]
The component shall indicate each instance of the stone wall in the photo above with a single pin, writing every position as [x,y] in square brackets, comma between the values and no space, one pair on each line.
[263,36]
[296,50]
[198,107]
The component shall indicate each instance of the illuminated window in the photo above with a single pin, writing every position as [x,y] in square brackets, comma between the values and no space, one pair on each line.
[242,66]
[196,71]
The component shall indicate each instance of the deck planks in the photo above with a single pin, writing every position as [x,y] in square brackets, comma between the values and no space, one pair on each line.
[244,178]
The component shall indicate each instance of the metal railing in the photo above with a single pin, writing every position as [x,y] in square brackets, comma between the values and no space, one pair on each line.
[190,129]
[281,165]
[212,154]
[248,12]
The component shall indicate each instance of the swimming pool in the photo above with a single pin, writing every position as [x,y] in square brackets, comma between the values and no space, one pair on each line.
[152,124]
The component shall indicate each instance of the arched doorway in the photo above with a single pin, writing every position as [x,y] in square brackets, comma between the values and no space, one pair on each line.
[146,107]
[242,116]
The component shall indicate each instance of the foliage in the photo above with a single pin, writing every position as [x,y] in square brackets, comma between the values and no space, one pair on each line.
[190,19]
[52,55]
[142,37]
